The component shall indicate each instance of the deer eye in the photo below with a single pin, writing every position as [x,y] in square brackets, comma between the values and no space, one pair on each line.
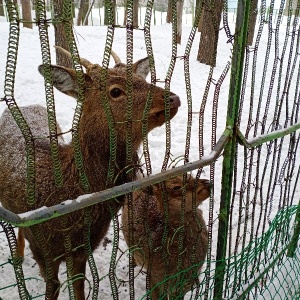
[177,188]
[115,92]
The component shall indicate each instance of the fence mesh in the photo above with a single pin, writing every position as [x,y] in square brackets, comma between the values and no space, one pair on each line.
[247,146]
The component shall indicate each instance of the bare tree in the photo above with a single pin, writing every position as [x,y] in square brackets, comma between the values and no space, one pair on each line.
[60,36]
[135,17]
[107,12]
[135,13]
[179,5]
[252,21]
[82,12]
[1,8]
[293,6]
[210,32]
[198,3]
[26,13]
[200,24]
[169,12]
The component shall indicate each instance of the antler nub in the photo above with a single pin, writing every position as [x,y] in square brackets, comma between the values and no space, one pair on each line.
[115,57]
[84,62]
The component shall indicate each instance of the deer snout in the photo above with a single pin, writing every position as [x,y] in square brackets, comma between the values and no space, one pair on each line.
[175,100]
[203,189]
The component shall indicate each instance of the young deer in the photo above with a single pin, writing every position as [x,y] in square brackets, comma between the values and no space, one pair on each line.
[47,239]
[148,228]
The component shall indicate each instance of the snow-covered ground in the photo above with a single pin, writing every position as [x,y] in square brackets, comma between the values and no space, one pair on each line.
[29,89]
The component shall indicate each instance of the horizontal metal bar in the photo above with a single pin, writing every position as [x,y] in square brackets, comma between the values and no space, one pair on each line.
[259,140]
[45,213]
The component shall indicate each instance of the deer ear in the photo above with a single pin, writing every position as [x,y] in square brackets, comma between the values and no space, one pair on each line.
[141,67]
[64,79]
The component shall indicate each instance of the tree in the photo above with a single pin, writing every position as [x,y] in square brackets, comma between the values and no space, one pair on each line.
[135,16]
[169,12]
[82,12]
[60,36]
[107,12]
[293,7]
[252,21]
[26,13]
[1,8]
[179,6]
[135,13]
[212,12]
[179,12]
[198,3]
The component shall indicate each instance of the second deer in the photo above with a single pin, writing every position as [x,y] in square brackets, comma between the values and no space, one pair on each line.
[151,227]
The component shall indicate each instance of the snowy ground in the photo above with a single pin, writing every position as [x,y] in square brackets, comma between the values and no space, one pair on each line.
[29,89]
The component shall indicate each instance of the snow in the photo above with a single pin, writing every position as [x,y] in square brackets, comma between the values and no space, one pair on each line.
[29,89]
[30,213]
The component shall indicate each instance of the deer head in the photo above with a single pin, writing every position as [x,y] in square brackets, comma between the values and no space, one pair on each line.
[174,188]
[64,79]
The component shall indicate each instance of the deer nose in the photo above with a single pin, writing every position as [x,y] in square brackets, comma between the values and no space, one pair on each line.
[175,100]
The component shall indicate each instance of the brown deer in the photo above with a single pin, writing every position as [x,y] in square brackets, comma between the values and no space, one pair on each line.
[46,240]
[148,228]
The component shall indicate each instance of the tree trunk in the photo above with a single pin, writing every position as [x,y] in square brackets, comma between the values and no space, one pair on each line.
[1,8]
[106,13]
[60,37]
[73,10]
[26,13]
[198,2]
[135,13]
[48,5]
[207,52]
[200,25]
[135,16]
[125,14]
[294,6]
[252,21]
[83,9]
[169,12]
[179,5]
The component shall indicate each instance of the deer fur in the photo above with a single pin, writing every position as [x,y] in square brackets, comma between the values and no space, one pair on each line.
[46,240]
[149,221]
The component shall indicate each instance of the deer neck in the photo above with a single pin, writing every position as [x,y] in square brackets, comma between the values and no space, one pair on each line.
[99,156]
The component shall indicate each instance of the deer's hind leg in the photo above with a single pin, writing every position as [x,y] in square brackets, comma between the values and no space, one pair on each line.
[49,270]
[51,278]
[20,242]
[78,275]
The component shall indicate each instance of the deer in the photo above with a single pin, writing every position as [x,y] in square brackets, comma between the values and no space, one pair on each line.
[150,227]
[46,240]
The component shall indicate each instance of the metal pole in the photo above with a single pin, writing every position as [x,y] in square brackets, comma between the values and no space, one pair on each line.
[240,39]
[45,213]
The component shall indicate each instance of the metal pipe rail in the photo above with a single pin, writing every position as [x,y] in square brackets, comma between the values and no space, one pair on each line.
[45,213]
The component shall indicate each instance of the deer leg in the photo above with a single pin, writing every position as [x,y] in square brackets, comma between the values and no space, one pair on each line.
[79,268]
[52,284]
[20,242]
[49,271]
[156,293]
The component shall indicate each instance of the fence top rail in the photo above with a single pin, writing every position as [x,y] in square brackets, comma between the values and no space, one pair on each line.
[45,213]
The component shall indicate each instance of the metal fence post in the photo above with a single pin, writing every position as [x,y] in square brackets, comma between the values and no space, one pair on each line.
[240,39]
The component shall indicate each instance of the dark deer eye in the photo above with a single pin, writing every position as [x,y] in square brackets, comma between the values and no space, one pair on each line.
[177,188]
[115,92]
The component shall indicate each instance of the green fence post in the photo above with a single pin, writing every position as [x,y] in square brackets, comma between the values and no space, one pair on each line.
[240,40]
